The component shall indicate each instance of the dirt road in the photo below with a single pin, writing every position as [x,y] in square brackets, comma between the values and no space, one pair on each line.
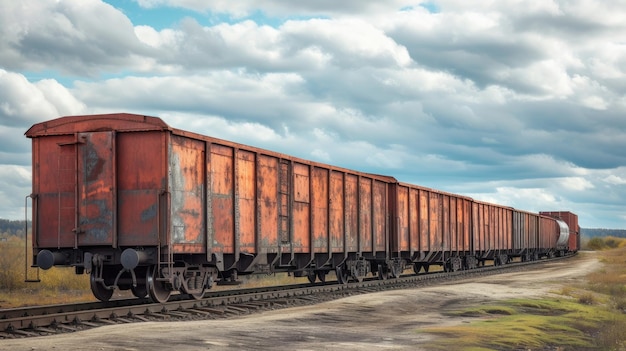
[387,320]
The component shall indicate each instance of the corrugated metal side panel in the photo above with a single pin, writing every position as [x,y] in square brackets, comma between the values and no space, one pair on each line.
[574,232]
[519,240]
[476,238]
[507,223]
[502,227]
[424,226]
[267,183]
[494,228]
[484,220]
[459,224]
[337,211]
[430,221]
[187,192]
[222,198]
[549,233]
[446,223]
[483,227]
[301,209]
[246,174]
[352,213]
[533,228]
[319,190]
[435,209]
[142,177]
[414,209]
[365,215]
[404,221]
[463,224]
[451,218]
[380,215]
[500,233]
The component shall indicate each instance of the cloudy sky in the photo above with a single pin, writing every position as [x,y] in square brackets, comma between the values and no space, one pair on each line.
[521,103]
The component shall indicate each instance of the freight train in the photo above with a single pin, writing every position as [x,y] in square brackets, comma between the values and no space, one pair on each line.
[140,205]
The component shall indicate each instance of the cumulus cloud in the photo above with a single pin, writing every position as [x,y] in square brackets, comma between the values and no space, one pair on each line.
[281,8]
[83,38]
[520,103]
[23,102]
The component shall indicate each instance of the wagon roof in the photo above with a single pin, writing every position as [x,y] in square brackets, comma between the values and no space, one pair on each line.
[129,122]
[102,122]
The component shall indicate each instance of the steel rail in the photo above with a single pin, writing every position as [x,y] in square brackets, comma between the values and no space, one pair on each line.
[42,320]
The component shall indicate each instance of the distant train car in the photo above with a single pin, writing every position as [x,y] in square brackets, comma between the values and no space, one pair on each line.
[143,206]
[432,227]
[526,234]
[571,220]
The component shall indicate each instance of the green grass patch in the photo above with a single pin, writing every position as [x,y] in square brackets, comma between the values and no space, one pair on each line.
[485,310]
[527,324]
[589,315]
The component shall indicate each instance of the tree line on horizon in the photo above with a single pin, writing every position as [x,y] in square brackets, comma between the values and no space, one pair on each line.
[602,232]
[16,228]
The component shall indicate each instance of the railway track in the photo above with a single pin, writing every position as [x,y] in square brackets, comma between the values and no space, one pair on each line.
[56,319]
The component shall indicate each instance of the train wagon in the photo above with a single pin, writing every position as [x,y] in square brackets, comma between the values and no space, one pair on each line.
[493,237]
[431,227]
[571,219]
[526,234]
[140,205]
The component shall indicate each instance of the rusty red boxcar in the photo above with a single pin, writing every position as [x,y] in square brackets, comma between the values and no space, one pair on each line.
[431,227]
[143,206]
[571,220]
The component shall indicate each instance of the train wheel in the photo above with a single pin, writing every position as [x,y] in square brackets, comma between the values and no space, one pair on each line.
[383,272]
[98,289]
[157,289]
[342,275]
[195,286]
[321,276]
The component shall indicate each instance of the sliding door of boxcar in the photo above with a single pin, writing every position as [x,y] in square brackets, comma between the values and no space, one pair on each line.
[54,184]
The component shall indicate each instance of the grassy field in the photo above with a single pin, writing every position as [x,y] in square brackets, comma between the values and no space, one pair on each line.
[58,285]
[590,315]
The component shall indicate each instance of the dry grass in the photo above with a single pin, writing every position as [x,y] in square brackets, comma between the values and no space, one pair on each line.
[58,285]
[589,316]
